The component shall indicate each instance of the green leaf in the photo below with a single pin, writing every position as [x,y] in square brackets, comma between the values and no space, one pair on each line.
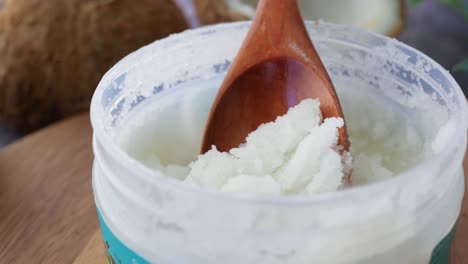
[413,3]
[462,66]
[459,5]
[453,3]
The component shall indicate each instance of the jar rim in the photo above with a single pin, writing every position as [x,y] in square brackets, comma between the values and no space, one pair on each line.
[398,180]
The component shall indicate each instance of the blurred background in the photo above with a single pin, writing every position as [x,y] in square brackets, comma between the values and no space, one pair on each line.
[54,52]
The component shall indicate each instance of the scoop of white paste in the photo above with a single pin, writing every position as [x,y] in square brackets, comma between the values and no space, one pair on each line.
[297,153]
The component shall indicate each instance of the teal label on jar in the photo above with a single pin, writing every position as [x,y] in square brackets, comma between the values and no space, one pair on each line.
[441,253]
[116,251]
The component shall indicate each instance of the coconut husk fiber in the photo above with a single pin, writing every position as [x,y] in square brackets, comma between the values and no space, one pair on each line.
[54,52]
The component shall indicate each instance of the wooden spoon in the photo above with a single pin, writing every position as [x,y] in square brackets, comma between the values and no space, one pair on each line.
[276,68]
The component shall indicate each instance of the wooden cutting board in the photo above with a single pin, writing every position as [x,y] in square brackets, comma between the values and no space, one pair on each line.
[47,212]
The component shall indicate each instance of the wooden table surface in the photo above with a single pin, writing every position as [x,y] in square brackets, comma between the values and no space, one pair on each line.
[47,212]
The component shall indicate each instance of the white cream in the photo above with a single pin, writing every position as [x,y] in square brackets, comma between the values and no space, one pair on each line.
[296,154]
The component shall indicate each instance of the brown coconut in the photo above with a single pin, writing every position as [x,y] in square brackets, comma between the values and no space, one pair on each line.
[217,11]
[54,52]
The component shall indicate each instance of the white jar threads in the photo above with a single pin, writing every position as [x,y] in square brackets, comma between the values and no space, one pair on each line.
[149,218]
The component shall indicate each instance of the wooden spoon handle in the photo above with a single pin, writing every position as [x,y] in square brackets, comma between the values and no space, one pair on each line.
[282,29]
[280,32]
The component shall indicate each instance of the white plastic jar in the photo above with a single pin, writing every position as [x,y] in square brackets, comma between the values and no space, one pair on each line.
[147,217]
